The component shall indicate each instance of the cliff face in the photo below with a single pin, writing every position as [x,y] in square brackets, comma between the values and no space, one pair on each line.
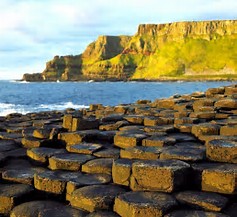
[156,51]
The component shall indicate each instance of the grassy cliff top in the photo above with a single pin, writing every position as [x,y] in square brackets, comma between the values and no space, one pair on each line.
[179,50]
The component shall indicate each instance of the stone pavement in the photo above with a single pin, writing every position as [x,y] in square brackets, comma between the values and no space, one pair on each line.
[170,157]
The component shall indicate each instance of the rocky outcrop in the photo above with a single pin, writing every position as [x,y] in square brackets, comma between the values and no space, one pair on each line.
[180,50]
[169,157]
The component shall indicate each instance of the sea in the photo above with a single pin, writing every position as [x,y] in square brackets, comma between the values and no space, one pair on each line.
[25,97]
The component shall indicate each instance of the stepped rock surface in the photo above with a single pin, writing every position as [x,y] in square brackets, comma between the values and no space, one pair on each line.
[180,50]
[170,157]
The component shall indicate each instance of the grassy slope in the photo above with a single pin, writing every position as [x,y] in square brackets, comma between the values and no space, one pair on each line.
[153,57]
[191,58]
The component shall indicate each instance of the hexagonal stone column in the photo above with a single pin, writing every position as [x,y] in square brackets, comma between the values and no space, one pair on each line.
[202,200]
[220,178]
[68,161]
[12,195]
[196,213]
[95,197]
[140,204]
[45,208]
[205,129]
[54,181]
[222,150]
[159,175]
[128,139]
[121,171]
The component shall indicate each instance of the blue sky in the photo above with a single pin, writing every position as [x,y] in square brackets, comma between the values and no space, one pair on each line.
[34,31]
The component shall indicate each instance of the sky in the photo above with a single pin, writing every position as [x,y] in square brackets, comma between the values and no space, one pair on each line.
[34,31]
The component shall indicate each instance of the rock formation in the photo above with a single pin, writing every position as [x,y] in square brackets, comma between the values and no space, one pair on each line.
[181,50]
[170,157]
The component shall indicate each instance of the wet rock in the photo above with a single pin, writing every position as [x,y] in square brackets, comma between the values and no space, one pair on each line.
[23,176]
[41,155]
[183,137]
[67,121]
[31,142]
[159,175]
[206,115]
[101,165]
[160,141]
[94,107]
[113,126]
[143,101]
[96,197]
[45,208]
[202,200]
[213,91]
[186,120]
[84,124]
[230,130]
[135,119]
[140,204]
[220,178]
[222,151]
[126,139]
[42,133]
[12,195]
[157,129]
[157,121]
[54,181]
[85,180]
[68,161]
[121,171]
[166,103]
[84,148]
[183,153]
[141,152]
[106,136]
[71,138]
[7,145]
[103,214]
[206,102]
[184,128]
[112,118]
[132,128]
[226,103]
[62,212]
[205,129]
[194,213]
[108,153]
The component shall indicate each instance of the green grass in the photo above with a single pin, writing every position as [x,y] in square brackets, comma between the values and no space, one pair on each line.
[193,56]
[152,58]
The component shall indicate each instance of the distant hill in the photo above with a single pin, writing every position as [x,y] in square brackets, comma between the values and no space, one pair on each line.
[181,50]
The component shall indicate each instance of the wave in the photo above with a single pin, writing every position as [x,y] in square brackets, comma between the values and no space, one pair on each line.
[61,106]
[7,108]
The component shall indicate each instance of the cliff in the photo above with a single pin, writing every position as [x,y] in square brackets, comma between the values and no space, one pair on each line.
[180,50]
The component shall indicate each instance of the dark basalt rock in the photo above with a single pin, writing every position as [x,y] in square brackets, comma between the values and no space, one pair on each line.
[95,197]
[204,200]
[68,161]
[184,146]
[139,204]
[196,213]
[12,195]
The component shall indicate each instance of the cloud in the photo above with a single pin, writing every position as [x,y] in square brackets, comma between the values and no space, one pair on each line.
[32,32]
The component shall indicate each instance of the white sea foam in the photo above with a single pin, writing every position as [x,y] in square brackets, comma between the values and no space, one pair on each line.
[61,106]
[6,108]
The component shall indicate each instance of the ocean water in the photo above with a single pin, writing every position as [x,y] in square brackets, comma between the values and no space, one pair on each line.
[24,97]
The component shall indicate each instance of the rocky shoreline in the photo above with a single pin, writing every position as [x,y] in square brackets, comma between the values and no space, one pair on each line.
[170,157]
